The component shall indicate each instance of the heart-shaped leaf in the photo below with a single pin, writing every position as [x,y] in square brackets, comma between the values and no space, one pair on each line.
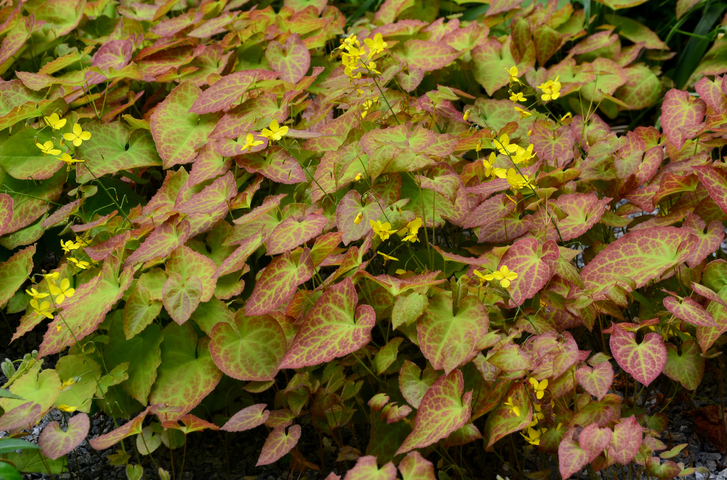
[596,380]
[366,468]
[278,444]
[643,361]
[687,368]
[181,296]
[247,418]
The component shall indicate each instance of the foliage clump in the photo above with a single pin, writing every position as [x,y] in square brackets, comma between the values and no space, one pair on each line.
[421,229]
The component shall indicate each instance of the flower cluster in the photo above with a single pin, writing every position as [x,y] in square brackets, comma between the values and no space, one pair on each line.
[551,90]
[503,275]
[353,55]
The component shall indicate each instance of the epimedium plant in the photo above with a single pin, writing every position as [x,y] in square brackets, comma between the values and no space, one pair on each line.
[413,227]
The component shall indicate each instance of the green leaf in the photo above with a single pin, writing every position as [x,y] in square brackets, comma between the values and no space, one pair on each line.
[179,134]
[181,296]
[686,368]
[449,340]
[143,353]
[15,272]
[413,384]
[443,410]
[8,472]
[333,328]
[503,420]
[249,348]
[32,461]
[36,386]
[187,373]
[114,147]
[408,309]
[12,444]
[21,158]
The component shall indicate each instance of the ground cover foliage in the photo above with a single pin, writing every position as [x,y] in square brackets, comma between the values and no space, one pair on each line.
[487,228]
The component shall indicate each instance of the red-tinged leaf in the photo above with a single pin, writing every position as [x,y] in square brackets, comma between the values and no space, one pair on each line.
[275,164]
[291,59]
[278,444]
[333,133]
[466,434]
[115,147]
[643,361]
[707,242]
[108,440]
[140,310]
[143,353]
[641,256]
[333,328]
[547,42]
[426,55]
[290,233]
[413,384]
[571,457]
[348,210]
[54,442]
[449,340]
[236,260]
[15,39]
[249,349]
[642,88]
[366,468]
[14,273]
[187,373]
[181,296]
[510,358]
[21,417]
[681,116]
[443,410]
[555,147]
[687,368]
[708,294]
[583,212]
[663,471]
[83,312]
[596,380]
[6,211]
[625,441]
[532,263]
[690,311]
[208,165]
[503,421]
[187,263]
[179,134]
[278,282]
[247,418]
[416,467]
[408,309]
[594,440]
[161,242]
[252,115]
[711,92]
[715,180]
[490,211]
[491,61]
[212,198]
[191,424]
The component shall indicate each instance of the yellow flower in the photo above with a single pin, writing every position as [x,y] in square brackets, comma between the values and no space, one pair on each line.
[358,177]
[78,136]
[62,291]
[490,170]
[358,218]
[466,115]
[68,384]
[275,132]
[387,257]
[566,119]
[383,230]
[66,408]
[349,42]
[413,230]
[514,409]
[250,142]
[41,308]
[518,181]
[372,68]
[533,436]
[47,148]
[551,89]
[505,147]
[51,276]
[478,147]
[35,294]
[523,154]
[55,122]
[517,97]
[512,71]
[376,45]
[69,160]
[83,265]
[539,387]
[481,276]
[505,276]
[523,113]
[400,271]
[68,246]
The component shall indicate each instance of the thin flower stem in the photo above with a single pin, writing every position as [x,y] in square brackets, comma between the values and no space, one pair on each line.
[116,203]
[284,147]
